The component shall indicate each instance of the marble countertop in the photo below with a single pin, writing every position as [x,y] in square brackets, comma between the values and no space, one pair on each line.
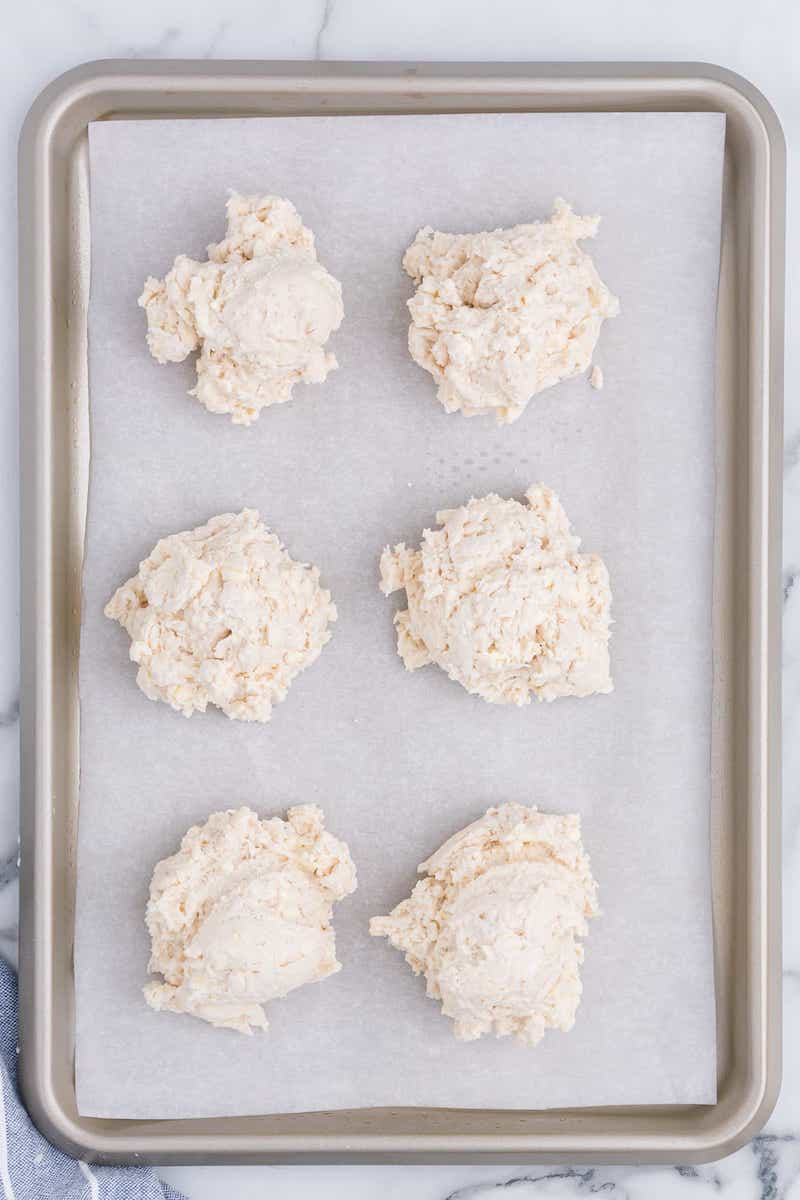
[761,41]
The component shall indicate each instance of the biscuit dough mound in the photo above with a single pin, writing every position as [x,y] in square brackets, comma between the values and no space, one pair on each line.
[260,310]
[498,317]
[500,599]
[222,615]
[241,915]
[496,923]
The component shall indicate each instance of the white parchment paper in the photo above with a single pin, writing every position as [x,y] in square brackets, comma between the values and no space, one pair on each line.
[398,761]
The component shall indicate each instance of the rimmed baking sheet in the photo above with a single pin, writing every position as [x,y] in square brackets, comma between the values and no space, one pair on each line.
[54,250]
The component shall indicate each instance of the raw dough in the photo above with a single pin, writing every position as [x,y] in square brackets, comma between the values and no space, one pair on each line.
[241,915]
[494,926]
[498,317]
[500,599]
[222,615]
[260,310]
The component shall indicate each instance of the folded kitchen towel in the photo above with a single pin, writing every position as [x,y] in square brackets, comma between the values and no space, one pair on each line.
[32,1169]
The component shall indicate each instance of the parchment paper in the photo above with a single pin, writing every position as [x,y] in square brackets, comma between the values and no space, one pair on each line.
[398,761]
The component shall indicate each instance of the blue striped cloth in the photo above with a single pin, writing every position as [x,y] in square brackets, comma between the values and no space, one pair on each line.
[32,1169]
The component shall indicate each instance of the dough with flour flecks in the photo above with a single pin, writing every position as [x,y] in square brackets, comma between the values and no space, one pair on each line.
[496,924]
[222,615]
[260,311]
[241,914]
[500,316]
[501,600]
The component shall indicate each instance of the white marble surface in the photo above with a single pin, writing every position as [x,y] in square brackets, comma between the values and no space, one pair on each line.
[760,40]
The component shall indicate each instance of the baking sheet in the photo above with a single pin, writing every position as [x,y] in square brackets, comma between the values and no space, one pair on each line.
[400,761]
